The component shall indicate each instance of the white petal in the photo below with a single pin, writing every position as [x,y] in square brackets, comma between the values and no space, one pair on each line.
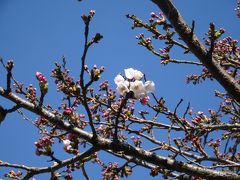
[129,73]
[118,79]
[138,75]
[122,88]
[66,142]
[136,86]
[149,86]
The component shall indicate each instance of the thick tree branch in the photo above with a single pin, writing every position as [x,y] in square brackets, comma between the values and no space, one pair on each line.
[31,171]
[106,144]
[197,48]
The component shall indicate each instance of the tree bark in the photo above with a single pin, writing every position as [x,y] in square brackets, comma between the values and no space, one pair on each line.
[198,49]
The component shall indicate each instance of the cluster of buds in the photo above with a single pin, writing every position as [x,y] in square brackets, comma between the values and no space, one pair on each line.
[167,35]
[226,46]
[154,20]
[43,84]
[131,82]
[196,79]
[160,106]
[87,18]
[105,131]
[18,87]
[111,95]
[96,72]
[214,34]
[215,144]
[146,42]
[64,82]
[136,141]
[44,146]
[225,51]
[214,116]
[200,118]
[9,65]
[104,86]
[193,139]
[186,122]
[67,146]
[57,72]
[13,175]
[226,106]
[216,147]
[68,111]
[111,171]
[70,144]
[74,117]
[96,38]
[108,115]
[164,55]
[31,94]
[41,121]
[158,19]
[129,110]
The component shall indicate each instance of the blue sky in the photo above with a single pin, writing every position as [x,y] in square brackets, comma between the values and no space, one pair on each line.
[38,33]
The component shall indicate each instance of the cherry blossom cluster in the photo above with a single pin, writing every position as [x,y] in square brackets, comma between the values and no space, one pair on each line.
[131,82]
[44,146]
[41,121]
[136,141]
[43,84]
[70,143]
[13,175]
[31,94]
[67,146]
[147,42]
[200,118]
[96,72]
[110,172]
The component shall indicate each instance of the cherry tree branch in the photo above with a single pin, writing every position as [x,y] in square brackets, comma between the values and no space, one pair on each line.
[83,62]
[31,171]
[107,144]
[197,48]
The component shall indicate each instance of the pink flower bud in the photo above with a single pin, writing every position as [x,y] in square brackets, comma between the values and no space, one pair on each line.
[67,111]
[145,100]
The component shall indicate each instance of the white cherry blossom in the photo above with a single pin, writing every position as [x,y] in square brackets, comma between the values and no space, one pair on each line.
[131,73]
[132,82]
[122,87]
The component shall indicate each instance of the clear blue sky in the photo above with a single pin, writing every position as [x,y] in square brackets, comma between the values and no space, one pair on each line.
[37,33]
